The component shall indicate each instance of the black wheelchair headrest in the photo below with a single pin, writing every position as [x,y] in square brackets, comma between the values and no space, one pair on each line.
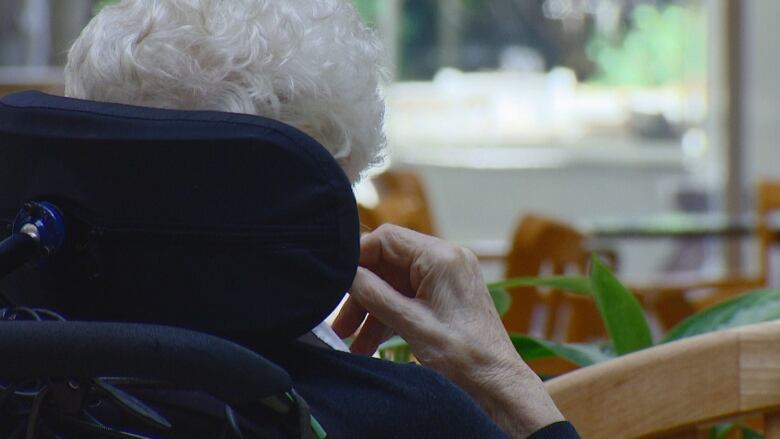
[218,222]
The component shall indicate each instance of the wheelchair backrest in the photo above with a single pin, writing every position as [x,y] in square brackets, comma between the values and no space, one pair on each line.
[224,223]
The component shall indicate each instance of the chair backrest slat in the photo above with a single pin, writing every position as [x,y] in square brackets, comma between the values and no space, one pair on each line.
[772,425]
[768,203]
[543,246]
[693,433]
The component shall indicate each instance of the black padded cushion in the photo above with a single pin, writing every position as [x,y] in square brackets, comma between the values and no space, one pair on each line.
[185,358]
[219,222]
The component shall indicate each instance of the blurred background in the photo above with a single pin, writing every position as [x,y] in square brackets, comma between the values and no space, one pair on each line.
[645,125]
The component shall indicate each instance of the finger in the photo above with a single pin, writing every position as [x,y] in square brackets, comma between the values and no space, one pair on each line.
[371,335]
[392,245]
[405,316]
[349,319]
[392,251]
[385,303]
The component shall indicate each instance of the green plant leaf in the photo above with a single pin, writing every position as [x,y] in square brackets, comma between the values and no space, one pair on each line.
[623,316]
[501,299]
[720,431]
[758,306]
[572,284]
[102,4]
[749,433]
[395,349]
[581,354]
[393,342]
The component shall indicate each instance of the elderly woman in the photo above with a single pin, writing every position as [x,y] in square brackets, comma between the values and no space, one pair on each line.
[313,65]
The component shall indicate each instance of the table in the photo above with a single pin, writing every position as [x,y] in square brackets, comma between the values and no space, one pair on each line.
[675,225]
[672,226]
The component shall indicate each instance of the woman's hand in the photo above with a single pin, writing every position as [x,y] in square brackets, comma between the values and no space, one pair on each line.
[433,295]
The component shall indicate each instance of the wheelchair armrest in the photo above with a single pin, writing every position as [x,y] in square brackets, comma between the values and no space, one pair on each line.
[221,368]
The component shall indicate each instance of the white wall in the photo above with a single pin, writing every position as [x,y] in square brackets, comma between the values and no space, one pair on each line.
[473,204]
[762,89]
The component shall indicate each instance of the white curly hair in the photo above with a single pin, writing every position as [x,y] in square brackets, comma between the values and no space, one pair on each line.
[312,64]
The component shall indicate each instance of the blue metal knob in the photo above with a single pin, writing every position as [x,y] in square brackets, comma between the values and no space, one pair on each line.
[43,222]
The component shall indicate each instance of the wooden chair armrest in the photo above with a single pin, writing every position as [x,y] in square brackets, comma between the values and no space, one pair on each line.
[674,386]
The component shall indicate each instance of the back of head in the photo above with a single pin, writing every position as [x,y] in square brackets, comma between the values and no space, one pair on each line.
[309,63]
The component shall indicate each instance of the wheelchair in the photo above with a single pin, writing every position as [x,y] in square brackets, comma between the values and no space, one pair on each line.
[160,270]
[161,236]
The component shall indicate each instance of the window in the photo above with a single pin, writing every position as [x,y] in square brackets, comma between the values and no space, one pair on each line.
[590,77]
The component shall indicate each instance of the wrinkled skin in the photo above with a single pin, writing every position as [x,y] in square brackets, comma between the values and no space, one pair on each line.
[433,295]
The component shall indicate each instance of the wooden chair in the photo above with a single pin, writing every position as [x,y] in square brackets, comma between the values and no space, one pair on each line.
[678,390]
[542,246]
[668,301]
[767,205]
[402,201]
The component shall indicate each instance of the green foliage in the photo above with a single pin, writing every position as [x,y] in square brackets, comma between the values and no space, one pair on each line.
[758,306]
[581,354]
[100,4]
[572,284]
[721,431]
[501,299]
[368,10]
[663,45]
[749,433]
[395,349]
[623,316]
[627,326]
